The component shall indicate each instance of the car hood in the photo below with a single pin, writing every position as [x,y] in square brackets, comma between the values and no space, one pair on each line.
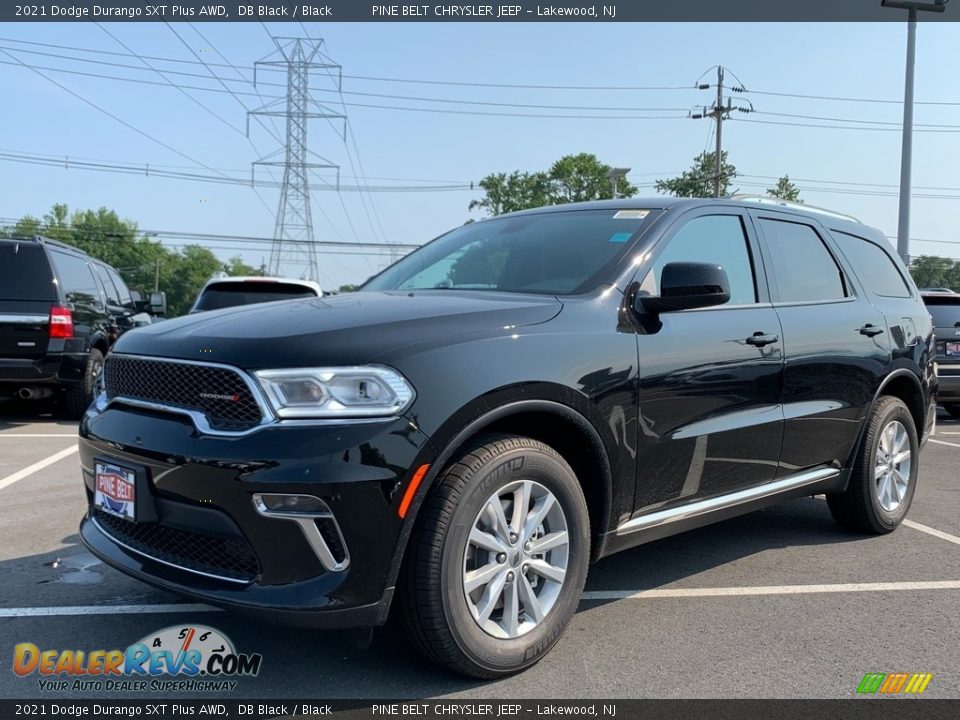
[339,330]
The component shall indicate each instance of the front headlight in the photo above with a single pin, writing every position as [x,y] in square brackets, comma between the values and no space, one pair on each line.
[345,392]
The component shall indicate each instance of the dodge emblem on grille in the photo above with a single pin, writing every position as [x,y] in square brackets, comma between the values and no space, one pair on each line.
[215,396]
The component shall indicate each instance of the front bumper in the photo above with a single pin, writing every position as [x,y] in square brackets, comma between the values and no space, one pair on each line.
[198,490]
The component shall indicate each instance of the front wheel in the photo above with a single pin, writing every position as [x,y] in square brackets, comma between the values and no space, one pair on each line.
[884,476]
[499,559]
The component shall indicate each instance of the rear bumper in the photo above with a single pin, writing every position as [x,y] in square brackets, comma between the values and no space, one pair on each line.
[949,378]
[50,370]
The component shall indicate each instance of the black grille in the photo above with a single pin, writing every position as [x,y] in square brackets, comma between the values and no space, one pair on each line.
[219,393]
[227,557]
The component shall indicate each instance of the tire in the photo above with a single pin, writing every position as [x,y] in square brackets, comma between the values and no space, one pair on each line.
[439,615]
[953,409]
[876,503]
[78,397]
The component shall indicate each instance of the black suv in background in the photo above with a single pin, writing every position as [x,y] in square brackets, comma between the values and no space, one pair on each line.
[944,307]
[60,312]
[518,397]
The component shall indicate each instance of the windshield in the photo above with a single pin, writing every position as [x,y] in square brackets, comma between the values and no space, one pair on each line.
[556,253]
[230,294]
[945,310]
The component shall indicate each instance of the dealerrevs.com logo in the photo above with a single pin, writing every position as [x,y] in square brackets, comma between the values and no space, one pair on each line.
[176,659]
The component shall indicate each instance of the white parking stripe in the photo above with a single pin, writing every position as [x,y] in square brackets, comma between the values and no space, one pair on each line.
[8,435]
[31,469]
[769,590]
[932,531]
[944,442]
[22,612]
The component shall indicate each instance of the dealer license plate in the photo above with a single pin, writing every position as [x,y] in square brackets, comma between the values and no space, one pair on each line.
[953,348]
[115,490]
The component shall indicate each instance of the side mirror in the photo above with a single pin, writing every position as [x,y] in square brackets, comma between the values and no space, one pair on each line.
[686,286]
[158,303]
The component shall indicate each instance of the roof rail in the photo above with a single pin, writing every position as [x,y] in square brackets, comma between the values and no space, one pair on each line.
[767,200]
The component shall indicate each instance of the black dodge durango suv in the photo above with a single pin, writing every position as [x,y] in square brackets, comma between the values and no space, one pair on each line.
[520,397]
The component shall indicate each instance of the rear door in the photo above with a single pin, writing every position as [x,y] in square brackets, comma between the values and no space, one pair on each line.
[27,292]
[835,340]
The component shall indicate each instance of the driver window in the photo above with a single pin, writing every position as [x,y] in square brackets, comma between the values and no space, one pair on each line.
[716,239]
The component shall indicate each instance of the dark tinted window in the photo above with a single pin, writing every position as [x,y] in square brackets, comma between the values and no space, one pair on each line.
[121,287]
[711,239]
[803,267]
[113,297]
[944,310]
[873,266]
[222,295]
[76,278]
[24,273]
[557,253]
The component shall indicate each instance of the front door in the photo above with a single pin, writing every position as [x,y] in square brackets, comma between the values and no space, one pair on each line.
[710,379]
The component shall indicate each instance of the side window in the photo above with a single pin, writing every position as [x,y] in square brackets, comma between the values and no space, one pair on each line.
[122,290]
[873,266]
[77,281]
[716,239]
[112,296]
[803,268]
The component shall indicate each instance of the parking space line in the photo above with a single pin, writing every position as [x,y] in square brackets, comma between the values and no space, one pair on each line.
[944,442]
[37,435]
[932,531]
[24,612]
[31,469]
[769,590]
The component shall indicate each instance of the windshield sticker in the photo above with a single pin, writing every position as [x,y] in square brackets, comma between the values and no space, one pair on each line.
[631,214]
[620,237]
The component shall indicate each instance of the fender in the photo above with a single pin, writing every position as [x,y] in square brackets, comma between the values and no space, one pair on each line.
[461,438]
[900,372]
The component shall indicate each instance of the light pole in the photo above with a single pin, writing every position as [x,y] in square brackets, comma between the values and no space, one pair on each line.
[615,174]
[906,153]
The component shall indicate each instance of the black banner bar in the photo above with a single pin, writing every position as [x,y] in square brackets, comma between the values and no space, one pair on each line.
[493,11]
[447,709]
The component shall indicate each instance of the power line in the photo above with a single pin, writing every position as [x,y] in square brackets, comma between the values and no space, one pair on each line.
[843,127]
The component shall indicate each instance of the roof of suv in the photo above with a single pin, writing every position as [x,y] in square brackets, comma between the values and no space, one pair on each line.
[40,240]
[664,202]
[258,279]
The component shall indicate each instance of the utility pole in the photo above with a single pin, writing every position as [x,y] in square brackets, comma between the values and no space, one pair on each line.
[293,245]
[719,112]
[906,150]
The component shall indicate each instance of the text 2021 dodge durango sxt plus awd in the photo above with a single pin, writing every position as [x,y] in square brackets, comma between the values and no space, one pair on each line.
[459,439]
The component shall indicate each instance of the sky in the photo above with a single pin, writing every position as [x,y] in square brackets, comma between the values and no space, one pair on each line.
[846,166]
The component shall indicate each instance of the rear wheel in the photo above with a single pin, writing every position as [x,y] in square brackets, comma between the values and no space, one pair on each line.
[884,476]
[953,409]
[498,561]
[78,397]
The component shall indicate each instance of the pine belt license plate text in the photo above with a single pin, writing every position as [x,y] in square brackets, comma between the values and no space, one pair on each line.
[116,490]
[953,348]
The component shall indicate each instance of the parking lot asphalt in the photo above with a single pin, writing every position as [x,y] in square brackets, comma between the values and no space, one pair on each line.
[779,603]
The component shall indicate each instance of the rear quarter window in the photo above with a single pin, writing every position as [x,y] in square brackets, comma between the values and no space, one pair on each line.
[76,278]
[25,273]
[873,265]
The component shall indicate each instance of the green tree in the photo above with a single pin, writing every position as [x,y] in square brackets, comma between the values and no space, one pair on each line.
[572,178]
[933,271]
[785,190]
[698,181]
[236,266]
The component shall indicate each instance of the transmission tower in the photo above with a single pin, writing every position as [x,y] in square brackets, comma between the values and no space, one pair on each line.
[293,252]
[719,112]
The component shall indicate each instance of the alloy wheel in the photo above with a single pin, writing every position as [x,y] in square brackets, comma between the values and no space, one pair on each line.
[892,466]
